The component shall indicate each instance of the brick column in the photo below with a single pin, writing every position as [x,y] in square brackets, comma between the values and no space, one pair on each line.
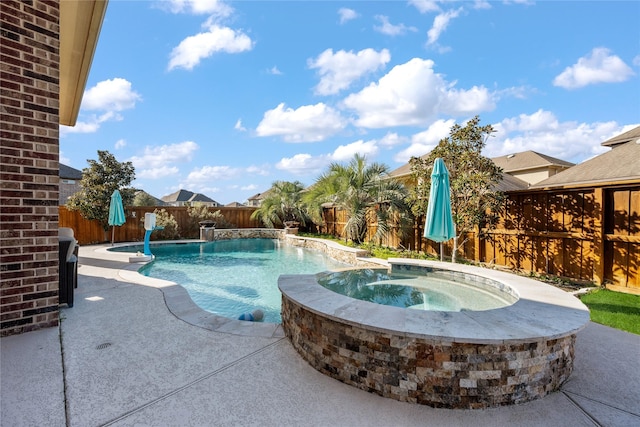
[29,77]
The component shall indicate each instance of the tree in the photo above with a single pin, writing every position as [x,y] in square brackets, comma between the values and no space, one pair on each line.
[98,182]
[473,178]
[283,204]
[142,198]
[363,191]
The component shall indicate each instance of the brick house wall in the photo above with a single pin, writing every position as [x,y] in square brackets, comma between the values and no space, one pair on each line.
[29,117]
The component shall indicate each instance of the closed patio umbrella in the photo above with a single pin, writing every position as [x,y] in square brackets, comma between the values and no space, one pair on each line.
[439,225]
[116,212]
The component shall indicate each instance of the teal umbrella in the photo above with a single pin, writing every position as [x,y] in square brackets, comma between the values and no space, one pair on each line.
[439,225]
[116,212]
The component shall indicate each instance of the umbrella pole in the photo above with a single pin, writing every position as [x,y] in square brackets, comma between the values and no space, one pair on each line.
[441,253]
[113,230]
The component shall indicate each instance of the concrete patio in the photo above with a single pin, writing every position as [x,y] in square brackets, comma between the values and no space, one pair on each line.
[120,357]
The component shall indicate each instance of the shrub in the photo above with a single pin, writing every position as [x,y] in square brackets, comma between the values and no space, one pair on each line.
[199,212]
[165,219]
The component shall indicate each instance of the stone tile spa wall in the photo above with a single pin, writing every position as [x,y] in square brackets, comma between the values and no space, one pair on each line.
[426,371]
[336,251]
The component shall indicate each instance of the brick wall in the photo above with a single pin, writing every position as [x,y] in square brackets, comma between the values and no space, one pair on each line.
[29,74]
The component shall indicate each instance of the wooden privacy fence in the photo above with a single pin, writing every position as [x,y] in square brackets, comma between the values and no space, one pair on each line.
[590,234]
[89,232]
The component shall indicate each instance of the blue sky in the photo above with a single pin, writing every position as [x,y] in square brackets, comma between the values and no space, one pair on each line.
[224,98]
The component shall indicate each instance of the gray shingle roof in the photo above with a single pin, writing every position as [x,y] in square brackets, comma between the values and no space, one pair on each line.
[528,160]
[511,183]
[631,135]
[621,163]
[187,196]
[67,172]
[260,196]
[510,163]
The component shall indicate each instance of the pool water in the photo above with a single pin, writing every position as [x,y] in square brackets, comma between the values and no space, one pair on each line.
[232,277]
[432,291]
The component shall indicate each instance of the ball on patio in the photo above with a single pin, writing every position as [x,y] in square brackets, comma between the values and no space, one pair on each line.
[246,316]
[255,316]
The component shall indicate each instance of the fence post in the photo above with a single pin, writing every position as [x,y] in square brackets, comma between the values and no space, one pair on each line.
[476,243]
[598,235]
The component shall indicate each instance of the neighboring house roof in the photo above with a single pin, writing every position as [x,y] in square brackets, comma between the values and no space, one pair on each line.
[187,196]
[234,205]
[523,161]
[157,201]
[67,172]
[511,183]
[631,135]
[508,183]
[528,160]
[260,196]
[404,169]
[616,165]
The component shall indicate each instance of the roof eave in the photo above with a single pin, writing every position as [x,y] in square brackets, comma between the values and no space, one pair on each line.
[605,182]
[80,24]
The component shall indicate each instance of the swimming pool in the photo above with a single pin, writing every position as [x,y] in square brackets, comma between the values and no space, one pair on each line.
[237,276]
[432,290]
[467,359]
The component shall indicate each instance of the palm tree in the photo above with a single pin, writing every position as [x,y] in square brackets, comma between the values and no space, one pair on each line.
[362,191]
[283,204]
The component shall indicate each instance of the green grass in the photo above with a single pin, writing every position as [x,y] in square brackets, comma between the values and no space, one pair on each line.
[615,309]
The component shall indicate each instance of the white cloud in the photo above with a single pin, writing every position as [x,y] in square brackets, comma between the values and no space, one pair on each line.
[156,161]
[425,6]
[440,23]
[207,174]
[600,66]
[121,143]
[303,164]
[90,126]
[544,133]
[389,29]
[110,95]
[274,71]
[412,94]
[217,39]
[309,123]
[107,97]
[425,141]
[347,14]
[392,139]
[202,177]
[518,92]
[238,126]
[64,159]
[203,189]
[481,4]
[338,70]
[258,170]
[636,61]
[198,7]
[157,172]
[90,123]
[346,152]
[250,187]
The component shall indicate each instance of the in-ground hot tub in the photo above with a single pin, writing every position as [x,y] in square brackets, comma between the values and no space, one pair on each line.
[463,359]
